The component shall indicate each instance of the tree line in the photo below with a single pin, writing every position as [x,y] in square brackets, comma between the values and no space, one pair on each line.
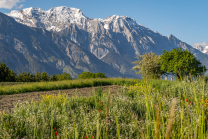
[8,75]
[178,62]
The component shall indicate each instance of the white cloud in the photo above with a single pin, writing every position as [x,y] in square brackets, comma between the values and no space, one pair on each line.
[9,4]
[202,44]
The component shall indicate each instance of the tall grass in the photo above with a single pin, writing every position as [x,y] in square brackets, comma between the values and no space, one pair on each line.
[68,84]
[153,109]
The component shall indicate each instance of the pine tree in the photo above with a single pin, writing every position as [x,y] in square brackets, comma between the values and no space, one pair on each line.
[6,74]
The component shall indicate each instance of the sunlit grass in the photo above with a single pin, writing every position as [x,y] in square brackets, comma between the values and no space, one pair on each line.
[68,84]
[153,109]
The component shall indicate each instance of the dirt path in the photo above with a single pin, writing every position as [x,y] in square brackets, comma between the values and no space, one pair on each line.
[6,101]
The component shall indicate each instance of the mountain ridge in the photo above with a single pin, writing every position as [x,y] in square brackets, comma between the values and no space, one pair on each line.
[49,49]
[114,41]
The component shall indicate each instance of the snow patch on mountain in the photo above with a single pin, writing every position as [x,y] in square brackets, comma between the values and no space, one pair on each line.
[205,50]
[106,26]
[15,14]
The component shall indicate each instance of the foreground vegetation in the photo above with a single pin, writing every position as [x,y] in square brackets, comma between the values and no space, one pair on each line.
[153,109]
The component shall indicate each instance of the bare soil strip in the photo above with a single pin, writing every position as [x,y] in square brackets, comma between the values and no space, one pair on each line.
[7,101]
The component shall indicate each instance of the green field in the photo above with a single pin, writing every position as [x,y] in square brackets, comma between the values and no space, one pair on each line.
[152,109]
[17,88]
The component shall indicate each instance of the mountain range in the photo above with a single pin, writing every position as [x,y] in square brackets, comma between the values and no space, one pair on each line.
[63,39]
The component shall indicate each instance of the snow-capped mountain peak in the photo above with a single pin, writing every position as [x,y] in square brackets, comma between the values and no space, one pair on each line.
[15,14]
[116,22]
[59,18]
[55,19]
[31,10]
[114,18]
[67,12]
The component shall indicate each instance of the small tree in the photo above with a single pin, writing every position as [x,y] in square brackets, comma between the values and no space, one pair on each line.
[38,76]
[45,76]
[181,63]
[148,65]
[54,78]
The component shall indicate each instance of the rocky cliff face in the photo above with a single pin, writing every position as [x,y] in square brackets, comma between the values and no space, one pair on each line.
[34,49]
[69,41]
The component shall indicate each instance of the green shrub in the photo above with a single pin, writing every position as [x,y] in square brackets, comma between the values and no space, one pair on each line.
[88,75]
[64,76]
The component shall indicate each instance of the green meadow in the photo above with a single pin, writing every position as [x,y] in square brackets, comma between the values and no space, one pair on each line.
[18,88]
[152,109]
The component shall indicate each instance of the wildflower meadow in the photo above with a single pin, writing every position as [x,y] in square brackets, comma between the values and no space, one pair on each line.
[150,109]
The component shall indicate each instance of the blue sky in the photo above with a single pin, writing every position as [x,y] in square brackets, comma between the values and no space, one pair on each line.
[185,19]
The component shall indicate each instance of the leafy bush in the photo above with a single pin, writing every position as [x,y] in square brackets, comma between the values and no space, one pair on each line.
[100,75]
[64,76]
[88,75]
[148,65]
